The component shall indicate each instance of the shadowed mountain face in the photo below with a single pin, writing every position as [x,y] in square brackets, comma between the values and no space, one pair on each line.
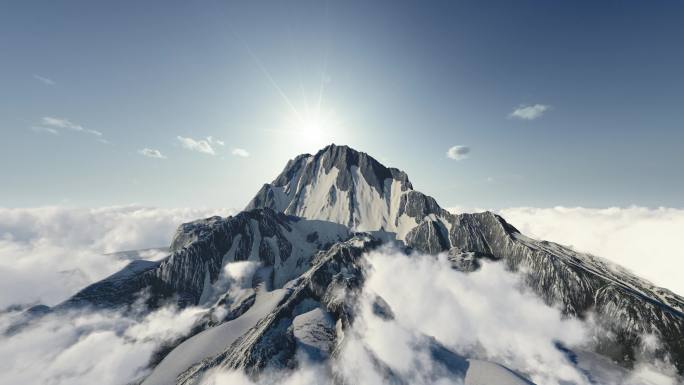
[309,229]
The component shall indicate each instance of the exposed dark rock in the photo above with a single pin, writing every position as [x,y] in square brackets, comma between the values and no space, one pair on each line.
[333,280]
[428,237]
[382,309]
[199,251]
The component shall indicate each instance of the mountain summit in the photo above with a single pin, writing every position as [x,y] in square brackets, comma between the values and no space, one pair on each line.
[348,187]
[309,230]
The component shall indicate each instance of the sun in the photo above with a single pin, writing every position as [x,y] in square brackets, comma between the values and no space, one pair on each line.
[314,126]
[310,123]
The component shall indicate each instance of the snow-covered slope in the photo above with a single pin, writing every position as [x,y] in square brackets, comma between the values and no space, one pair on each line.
[486,373]
[344,186]
[212,341]
[201,249]
[332,282]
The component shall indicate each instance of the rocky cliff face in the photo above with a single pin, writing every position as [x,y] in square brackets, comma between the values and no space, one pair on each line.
[305,227]
[625,305]
[202,248]
[344,186]
[328,288]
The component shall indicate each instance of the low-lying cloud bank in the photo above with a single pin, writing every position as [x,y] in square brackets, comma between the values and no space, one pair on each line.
[48,253]
[436,324]
[104,348]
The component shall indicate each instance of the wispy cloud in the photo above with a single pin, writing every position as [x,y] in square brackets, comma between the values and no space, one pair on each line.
[240,152]
[530,112]
[213,140]
[458,152]
[66,124]
[151,153]
[45,129]
[44,80]
[201,145]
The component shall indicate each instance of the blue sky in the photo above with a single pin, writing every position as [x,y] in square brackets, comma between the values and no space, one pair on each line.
[86,87]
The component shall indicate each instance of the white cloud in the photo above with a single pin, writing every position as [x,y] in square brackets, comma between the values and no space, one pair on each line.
[48,253]
[66,124]
[151,153]
[530,112]
[482,314]
[61,123]
[200,145]
[646,241]
[45,129]
[106,348]
[213,140]
[458,152]
[44,80]
[240,152]
[235,280]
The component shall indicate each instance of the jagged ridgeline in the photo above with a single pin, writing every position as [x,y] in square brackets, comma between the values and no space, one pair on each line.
[309,229]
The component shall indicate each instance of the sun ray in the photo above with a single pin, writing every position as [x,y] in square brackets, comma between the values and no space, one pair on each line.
[266,73]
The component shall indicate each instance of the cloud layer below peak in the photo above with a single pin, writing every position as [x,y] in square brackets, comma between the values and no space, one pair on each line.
[47,253]
[481,315]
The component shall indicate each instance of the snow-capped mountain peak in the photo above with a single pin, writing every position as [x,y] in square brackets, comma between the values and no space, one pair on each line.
[342,185]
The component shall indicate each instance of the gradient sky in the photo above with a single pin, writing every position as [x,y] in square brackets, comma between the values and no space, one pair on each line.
[86,86]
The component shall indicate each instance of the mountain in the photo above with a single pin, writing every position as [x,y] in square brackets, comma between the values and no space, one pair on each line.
[200,250]
[310,229]
[348,187]
[372,197]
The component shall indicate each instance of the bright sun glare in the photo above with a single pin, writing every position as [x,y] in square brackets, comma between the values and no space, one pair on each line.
[314,127]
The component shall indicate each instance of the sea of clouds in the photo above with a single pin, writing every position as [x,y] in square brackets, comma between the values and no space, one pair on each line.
[84,348]
[46,254]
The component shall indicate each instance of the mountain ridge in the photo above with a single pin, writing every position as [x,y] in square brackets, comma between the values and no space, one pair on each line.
[341,185]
